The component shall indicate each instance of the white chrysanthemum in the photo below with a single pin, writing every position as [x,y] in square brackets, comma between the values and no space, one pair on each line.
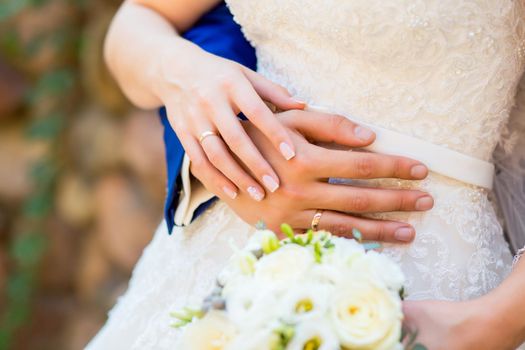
[366,315]
[290,263]
[252,306]
[261,239]
[314,334]
[381,269]
[304,301]
[213,332]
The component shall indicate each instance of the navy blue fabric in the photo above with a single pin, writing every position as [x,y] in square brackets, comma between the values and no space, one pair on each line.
[217,33]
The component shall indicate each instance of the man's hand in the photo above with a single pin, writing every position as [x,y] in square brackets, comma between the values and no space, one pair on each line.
[304,187]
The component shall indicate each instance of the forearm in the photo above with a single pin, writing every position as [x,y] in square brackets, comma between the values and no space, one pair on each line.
[505,307]
[137,42]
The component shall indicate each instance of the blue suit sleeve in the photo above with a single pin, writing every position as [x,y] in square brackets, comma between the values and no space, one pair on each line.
[217,33]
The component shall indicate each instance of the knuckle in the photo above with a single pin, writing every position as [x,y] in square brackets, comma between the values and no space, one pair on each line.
[227,82]
[215,156]
[256,111]
[397,167]
[335,121]
[302,162]
[359,202]
[364,167]
[338,228]
[380,233]
[198,166]
[292,193]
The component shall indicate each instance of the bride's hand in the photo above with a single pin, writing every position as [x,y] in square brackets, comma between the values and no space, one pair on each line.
[304,187]
[203,94]
[463,325]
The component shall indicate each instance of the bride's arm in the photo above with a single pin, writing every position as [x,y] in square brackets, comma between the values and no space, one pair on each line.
[494,321]
[202,92]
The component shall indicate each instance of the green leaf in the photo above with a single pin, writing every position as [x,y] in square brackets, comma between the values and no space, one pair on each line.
[288,231]
[419,347]
[28,249]
[47,129]
[10,8]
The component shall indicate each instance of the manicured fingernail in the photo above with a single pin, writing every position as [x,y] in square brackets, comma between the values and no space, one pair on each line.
[286,151]
[299,101]
[270,183]
[405,234]
[229,192]
[424,203]
[419,171]
[363,133]
[255,193]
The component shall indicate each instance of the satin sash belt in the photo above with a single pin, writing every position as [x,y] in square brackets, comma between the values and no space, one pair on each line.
[437,158]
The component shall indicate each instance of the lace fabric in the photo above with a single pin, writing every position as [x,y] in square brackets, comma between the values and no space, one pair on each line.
[442,70]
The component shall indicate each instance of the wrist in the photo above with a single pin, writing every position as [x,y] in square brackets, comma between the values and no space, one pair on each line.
[174,60]
[497,317]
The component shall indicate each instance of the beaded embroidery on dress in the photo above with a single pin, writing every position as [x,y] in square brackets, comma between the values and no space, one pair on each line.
[441,70]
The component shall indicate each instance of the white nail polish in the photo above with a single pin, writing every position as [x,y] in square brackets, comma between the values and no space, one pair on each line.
[270,183]
[363,133]
[255,193]
[286,151]
[230,193]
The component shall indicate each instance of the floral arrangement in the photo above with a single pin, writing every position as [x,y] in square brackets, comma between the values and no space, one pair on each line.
[307,292]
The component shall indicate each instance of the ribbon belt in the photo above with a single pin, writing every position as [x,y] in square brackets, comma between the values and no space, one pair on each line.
[437,158]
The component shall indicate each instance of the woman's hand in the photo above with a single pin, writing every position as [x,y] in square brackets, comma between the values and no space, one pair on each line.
[203,94]
[304,187]
[465,325]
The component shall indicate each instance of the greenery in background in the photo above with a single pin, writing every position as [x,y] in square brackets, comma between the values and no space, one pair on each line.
[49,102]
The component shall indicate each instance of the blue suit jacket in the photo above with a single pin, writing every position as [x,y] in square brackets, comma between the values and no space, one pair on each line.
[215,32]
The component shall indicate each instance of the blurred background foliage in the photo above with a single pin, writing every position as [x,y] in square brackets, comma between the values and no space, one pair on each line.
[81,175]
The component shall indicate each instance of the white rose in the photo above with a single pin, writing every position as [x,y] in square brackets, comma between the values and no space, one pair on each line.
[380,268]
[366,316]
[314,334]
[213,332]
[303,301]
[258,340]
[338,262]
[288,264]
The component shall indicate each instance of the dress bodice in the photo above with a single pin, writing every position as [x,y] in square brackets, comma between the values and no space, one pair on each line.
[444,71]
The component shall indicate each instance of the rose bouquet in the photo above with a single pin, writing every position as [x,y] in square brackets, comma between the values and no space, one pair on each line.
[306,292]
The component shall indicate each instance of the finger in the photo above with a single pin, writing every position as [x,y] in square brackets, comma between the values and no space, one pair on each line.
[373,230]
[364,165]
[241,145]
[352,199]
[328,128]
[219,155]
[246,100]
[201,168]
[272,92]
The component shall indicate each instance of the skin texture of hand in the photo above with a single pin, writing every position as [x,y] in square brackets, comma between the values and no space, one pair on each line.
[492,322]
[304,186]
[203,93]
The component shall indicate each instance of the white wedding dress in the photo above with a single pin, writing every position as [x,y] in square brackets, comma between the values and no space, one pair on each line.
[444,71]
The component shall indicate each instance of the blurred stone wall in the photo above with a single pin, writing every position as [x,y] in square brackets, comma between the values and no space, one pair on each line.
[106,190]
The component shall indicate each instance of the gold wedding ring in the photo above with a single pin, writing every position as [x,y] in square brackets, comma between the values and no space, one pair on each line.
[316,219]
[206,134]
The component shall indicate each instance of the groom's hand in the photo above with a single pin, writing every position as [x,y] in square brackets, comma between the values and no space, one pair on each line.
[304,187]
